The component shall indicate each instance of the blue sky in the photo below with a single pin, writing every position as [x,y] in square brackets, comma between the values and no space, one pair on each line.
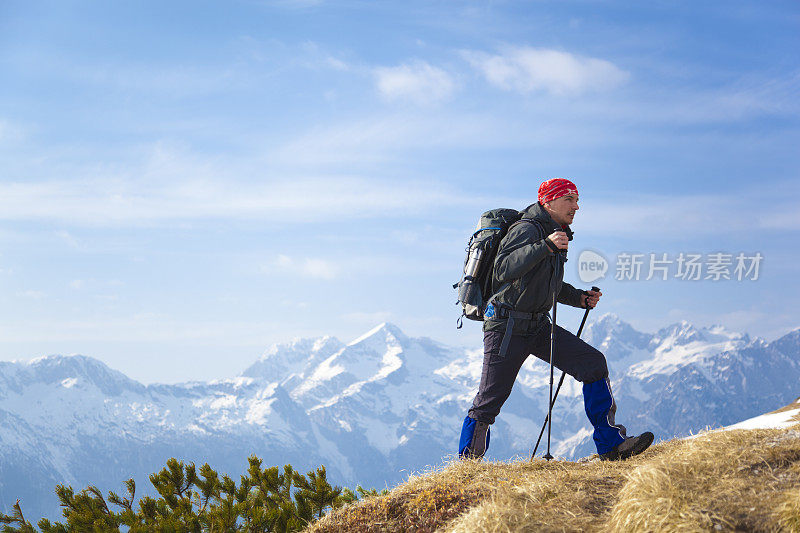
[183,184]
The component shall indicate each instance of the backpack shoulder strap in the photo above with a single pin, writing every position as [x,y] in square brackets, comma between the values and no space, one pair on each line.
[530,221]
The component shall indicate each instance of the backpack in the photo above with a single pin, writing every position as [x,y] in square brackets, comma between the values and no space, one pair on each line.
[475,286]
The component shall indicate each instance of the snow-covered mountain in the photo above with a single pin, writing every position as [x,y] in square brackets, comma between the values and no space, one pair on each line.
[373,410]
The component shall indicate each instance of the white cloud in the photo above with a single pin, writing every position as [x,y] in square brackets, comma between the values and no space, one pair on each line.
[79,284]
[370,318]
[316,56]
[144,327]
[69,239]
[141,202]
[309,267]
[751,96]
[758,94]
[10,132]
[168,81]
[319,268]
[33,295]
[167,183]
[188,78]
[336,63]
[782,218]
[418,82]
[388,139]
[677,216]
[526,69]
[283,261]
[295,304]
[406,237]
[294,4]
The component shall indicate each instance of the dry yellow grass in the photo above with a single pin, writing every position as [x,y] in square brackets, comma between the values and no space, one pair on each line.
[720,481]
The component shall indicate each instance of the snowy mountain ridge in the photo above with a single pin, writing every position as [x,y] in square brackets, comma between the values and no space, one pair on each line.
[372,410]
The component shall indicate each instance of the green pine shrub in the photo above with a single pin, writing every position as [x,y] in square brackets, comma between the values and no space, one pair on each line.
[264,500]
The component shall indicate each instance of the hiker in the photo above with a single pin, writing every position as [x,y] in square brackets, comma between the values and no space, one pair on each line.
[528,270]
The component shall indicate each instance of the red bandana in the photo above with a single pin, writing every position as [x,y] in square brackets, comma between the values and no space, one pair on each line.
[555,188]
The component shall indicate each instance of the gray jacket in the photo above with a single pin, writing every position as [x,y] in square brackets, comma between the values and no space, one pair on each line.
[526,272]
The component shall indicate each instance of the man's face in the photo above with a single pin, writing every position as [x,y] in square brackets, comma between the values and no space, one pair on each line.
[563,209]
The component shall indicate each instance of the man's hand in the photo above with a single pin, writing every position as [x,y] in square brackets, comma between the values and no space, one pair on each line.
[559,239]
[589,301]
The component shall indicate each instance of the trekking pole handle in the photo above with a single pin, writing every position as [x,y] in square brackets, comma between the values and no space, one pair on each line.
[586,314]
[594,288]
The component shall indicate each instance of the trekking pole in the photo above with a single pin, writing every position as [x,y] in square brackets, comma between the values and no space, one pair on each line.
[550,399]
[560,382]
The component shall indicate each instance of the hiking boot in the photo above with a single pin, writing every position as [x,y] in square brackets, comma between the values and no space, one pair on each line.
[629,447]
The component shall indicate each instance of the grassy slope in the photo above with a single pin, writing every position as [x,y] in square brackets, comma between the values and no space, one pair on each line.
[745,480]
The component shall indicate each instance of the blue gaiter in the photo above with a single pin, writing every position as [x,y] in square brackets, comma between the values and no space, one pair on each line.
[601,408]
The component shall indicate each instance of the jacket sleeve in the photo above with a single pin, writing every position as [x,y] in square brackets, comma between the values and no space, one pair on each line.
[569,295]
[520,250]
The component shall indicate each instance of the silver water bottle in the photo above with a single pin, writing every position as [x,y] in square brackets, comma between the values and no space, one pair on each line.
[473,264]
[469,292]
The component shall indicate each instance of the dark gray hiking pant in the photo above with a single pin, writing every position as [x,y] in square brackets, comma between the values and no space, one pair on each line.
[572,355]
